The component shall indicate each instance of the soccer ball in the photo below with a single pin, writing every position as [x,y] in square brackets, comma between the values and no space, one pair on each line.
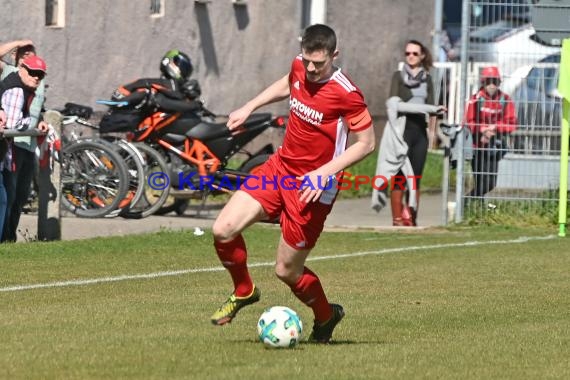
[279,327]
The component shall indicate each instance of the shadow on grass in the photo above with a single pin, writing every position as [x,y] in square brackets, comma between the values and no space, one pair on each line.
[341,343]
[305,343]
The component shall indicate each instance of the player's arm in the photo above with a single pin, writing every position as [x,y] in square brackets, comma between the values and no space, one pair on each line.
[279,90]
[364,145]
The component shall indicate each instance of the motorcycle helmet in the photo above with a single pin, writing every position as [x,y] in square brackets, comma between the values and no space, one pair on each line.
[176,65]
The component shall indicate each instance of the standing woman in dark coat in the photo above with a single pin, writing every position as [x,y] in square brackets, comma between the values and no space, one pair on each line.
[413,84]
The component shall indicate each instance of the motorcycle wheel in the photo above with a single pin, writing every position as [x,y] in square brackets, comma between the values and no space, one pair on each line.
[253,164]
[179,205]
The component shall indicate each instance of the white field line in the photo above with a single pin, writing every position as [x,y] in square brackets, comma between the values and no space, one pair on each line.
[127,277]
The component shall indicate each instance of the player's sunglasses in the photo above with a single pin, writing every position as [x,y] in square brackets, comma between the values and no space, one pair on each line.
[414,53]
[494,81]
[36,73]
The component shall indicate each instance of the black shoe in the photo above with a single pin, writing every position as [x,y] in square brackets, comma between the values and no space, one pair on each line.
[323,333]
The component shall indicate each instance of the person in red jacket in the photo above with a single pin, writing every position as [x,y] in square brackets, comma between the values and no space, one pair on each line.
[490,116]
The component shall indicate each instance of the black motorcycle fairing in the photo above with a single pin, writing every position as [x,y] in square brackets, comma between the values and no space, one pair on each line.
[257,118]
[181,125]
[226,145]
[173,139]
[207,131]
[164,86]
[176,105]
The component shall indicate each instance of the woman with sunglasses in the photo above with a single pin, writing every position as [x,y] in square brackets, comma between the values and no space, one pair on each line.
[404,145]
[490,116]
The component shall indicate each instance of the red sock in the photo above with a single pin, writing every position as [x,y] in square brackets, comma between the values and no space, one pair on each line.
[233,256]
[310,291]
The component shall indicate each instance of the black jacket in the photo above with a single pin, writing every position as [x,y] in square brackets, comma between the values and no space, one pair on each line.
[14,81]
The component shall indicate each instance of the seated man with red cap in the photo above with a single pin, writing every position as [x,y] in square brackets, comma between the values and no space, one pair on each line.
[17,92]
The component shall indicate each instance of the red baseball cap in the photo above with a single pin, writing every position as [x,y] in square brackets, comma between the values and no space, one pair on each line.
[490,72]
[33,62]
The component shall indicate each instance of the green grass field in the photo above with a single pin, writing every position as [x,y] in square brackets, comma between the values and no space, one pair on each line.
[463,303]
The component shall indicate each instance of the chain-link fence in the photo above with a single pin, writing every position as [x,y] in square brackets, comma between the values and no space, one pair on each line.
[510,60]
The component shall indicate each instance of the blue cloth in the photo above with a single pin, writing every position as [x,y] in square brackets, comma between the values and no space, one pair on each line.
[3,201]
[18,185]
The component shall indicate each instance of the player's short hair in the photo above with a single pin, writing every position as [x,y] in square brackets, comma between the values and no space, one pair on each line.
[319,37]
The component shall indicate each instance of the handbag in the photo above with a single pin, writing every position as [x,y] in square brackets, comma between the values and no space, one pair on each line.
[121,120]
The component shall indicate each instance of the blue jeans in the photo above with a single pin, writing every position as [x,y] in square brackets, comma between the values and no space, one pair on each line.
[3,202]
[18,186]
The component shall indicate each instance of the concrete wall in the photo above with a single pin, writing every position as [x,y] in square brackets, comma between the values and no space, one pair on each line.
[237,51]
[372,35]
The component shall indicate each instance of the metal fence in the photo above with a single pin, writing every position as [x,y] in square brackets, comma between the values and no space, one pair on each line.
[513,37]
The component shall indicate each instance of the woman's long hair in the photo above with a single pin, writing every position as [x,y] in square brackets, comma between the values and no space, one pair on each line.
[427,62]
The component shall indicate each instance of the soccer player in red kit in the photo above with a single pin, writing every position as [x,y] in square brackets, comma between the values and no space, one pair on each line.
[298,183]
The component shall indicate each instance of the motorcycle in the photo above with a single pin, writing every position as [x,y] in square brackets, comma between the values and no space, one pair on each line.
[191,140]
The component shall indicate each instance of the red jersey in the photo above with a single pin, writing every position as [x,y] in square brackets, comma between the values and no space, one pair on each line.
[484,110]
[320,116]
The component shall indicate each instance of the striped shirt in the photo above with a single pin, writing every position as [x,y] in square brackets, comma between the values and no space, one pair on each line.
[13,104]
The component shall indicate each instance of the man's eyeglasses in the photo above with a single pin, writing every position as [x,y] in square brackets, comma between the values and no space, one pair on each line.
[36,73]
[494,81]
[414,53]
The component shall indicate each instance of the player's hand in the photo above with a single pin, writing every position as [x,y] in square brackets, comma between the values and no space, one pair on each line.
[312,186]
[237,118]
[43,126]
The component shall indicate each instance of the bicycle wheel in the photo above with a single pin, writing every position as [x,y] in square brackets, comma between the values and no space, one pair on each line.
[135,169]
[94,179]
[156,184]
[135,162]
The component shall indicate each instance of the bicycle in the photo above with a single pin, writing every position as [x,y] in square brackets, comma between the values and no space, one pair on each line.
[130,163]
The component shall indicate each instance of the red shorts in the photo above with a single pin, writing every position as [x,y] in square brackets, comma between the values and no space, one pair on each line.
[278,194]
